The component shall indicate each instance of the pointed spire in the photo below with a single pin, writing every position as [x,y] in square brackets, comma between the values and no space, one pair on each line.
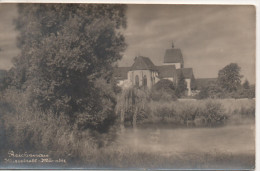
[172,45]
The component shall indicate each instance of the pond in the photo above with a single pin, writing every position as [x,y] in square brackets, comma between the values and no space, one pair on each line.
[236,139]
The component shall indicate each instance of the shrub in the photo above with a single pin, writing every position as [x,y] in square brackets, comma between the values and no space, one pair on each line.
[165,113]
[163,90]
[214,113]
[186,112]
[24,128]
[199,113]
[163,95]
[214,91]
[203,94]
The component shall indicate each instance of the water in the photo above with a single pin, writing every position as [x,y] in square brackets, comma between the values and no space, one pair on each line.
[239,139]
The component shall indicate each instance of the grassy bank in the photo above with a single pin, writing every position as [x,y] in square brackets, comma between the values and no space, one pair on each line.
[200,113]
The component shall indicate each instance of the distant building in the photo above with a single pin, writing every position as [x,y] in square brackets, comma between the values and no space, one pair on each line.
[144,73]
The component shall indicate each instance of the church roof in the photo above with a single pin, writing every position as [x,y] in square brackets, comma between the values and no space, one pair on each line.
[143,63]
[173,56]
[187,72]
[120,73]
[166,71]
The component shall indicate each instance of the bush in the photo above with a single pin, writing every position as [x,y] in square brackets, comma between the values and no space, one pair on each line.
[23,128]
[213,113]
[203,94]
[186,113]
[163,95]
[165,113]
[163,90]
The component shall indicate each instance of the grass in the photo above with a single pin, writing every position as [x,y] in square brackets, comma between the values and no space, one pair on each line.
[220,111]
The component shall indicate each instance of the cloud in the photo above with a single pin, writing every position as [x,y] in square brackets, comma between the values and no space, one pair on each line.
[8,34]
[210,37]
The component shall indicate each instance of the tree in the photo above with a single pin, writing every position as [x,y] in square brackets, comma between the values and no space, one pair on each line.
[204,93]
[66,60]
[164,84]
[163,90]
[181,86]
[246,85]
[131,103]
[229,77]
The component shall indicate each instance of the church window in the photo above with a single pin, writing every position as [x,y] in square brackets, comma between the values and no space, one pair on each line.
[145,81]
[136,80]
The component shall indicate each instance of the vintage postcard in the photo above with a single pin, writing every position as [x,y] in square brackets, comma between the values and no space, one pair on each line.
[120,86]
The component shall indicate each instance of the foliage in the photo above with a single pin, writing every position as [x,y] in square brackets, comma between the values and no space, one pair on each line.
[229,77]
[4,79]
[217,92]
[243,93]
[66,49]
[181,86]
[203,94]
[23,129]
[201,113]
[164,84]
[246,84]
[163,90]
[213,113]
[212,91]
[132,103]
[193,84]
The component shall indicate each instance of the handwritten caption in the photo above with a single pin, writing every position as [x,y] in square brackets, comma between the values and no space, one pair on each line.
[30,158]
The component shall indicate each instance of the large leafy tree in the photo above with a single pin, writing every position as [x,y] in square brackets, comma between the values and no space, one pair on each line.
[67,52]
[229,77]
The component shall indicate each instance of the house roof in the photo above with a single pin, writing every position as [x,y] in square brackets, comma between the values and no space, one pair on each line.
[120,73]
[143,63]
[203,82]
[187,72]
[173,56]
[166,71]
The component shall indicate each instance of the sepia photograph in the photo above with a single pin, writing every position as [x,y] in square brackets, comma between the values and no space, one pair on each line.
[127,86]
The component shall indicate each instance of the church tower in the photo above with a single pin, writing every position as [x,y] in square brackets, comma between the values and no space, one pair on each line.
[173,56]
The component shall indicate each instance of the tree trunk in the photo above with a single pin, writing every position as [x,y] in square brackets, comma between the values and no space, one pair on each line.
[134,117]
[122,120]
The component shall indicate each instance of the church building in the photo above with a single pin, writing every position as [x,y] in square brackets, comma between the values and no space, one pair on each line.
[144,73]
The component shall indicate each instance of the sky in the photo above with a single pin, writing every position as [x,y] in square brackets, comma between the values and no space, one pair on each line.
[8,34]
[210,37]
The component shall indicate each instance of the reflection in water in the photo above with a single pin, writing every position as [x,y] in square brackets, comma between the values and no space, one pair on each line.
[229,139]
